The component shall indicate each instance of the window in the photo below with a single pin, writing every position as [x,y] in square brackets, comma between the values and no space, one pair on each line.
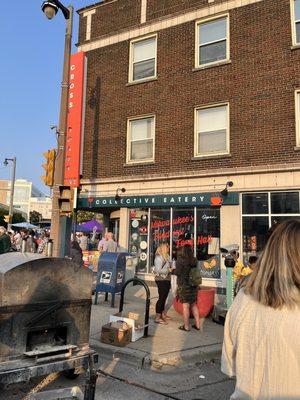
[212,130]
[208,242]
[297,114]
[143,59]
[138,237]
[141,134]
[295,12]
[261,211]
[212,41]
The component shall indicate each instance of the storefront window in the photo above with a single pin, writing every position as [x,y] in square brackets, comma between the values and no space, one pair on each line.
[138,237]
[208,242]
[183,227]
[285,203]
[255,234]
[159,230]
[277,219]
[261,211]
[255,203]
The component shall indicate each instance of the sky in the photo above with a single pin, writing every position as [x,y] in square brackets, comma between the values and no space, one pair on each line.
[30,77]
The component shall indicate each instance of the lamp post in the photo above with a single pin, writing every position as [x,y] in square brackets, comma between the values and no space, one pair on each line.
[50,9]
[12,190]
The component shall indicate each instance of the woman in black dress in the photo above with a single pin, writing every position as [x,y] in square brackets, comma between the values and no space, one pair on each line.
[187,294]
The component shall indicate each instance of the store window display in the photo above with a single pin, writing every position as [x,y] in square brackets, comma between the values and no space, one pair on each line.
[208,242]
[138,237]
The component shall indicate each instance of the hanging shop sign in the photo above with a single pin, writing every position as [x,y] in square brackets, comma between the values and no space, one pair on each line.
[75,117]
[191,199]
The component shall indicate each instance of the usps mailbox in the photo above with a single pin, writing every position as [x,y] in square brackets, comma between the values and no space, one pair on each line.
[110,275]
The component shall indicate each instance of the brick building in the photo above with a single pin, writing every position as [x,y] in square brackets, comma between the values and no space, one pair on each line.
[182,97]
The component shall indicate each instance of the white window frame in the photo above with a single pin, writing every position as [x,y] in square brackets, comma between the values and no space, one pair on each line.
[196,136]
[197,44]
[269,214]
[297,116]
[130,71]
[128,147]
[293,22]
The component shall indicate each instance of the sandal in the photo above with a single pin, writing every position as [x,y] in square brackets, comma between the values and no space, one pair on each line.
[160,321]
[167,317]
[195,327]
[182,328]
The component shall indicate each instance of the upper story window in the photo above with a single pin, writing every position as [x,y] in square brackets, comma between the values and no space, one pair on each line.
[212,130]
[143,59]
[295,8]
[212,41]
[140,139]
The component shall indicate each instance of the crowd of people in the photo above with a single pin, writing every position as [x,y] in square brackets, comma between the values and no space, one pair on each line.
[36,241]
[96,241]
[84,241]
[25,240]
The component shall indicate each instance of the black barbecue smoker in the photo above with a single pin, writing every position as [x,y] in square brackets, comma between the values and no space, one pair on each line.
[45,307]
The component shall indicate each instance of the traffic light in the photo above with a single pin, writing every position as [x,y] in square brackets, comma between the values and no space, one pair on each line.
[6,218]
[49,167]
[66,200]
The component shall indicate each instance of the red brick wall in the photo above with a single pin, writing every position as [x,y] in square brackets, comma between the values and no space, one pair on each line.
[160,8]
[259,84]
[111,17]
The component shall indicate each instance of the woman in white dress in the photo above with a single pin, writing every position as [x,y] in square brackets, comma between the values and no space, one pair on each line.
[261,345]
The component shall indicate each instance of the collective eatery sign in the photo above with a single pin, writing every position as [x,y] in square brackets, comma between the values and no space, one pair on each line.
[75,119]
[195,199]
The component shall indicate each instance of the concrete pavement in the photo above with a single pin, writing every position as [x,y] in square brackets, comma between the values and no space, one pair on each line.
[165,345]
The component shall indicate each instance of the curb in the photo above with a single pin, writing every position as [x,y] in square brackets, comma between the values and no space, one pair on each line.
[145,360]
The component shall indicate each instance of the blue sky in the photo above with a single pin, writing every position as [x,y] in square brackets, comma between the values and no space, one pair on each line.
[30,77]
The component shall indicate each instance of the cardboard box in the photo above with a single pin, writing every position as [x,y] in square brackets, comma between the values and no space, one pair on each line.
[133,320]
[116,333]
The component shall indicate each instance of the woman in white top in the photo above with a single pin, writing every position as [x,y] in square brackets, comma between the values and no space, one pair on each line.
[261,340]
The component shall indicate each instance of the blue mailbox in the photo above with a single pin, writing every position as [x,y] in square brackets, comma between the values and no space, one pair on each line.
[110,275]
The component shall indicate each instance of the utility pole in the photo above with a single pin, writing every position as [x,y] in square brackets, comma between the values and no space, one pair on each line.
[12,190]
[50,8]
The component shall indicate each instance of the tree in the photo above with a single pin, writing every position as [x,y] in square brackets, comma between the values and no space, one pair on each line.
[35,217]
[83,216]
[16,218]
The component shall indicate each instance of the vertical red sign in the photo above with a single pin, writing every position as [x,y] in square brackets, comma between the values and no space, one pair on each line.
[75,119]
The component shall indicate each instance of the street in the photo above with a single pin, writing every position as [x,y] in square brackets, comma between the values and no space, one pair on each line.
[203,381]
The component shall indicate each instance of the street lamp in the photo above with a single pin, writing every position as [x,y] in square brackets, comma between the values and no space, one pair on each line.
[12,190]
[50,8]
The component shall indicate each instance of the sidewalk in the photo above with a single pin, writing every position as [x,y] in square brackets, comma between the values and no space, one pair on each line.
[166,345]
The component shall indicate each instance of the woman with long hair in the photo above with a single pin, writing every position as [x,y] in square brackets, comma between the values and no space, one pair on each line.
[261,339]
[162,270]
[187,293]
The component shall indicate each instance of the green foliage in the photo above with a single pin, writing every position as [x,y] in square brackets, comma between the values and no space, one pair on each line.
[84,216]
[16,218]
[35,217]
